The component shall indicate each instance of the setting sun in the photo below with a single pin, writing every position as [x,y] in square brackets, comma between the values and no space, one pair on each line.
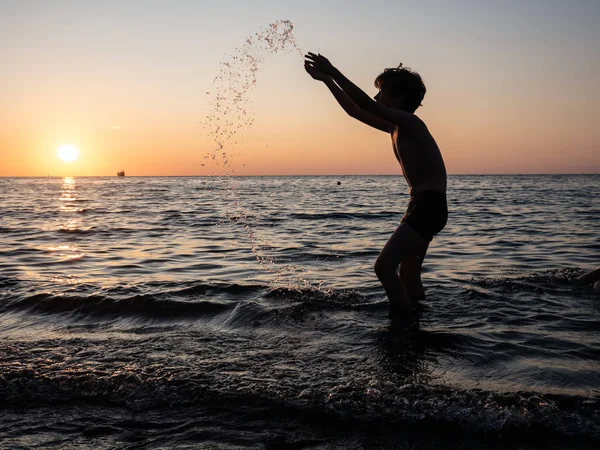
[68,152]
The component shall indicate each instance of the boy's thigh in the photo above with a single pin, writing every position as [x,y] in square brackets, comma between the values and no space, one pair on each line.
[405,244]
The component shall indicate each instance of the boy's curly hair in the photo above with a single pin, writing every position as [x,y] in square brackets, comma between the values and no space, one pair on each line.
[402,80]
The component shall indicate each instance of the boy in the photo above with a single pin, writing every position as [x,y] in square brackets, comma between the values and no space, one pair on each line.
[400,94]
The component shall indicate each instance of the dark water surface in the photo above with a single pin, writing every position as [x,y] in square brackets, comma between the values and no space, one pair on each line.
[244,313]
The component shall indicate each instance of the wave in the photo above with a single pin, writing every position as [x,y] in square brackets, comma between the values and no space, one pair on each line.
[557,282]
[192,302]
[338,215]
[187,301]
[265,372]
[383,406]
[82,231]
[555,277]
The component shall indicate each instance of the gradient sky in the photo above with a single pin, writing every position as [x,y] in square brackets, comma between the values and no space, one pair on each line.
[513,86]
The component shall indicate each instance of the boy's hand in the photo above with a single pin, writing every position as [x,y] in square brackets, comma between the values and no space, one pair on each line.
[315,73]
[320,63]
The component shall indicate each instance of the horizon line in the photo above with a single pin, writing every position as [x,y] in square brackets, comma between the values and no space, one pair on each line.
[292,175]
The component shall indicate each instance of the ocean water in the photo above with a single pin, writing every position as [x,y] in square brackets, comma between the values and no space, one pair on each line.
[244,313]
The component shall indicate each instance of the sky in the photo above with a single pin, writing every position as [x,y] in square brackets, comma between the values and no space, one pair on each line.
[512,86]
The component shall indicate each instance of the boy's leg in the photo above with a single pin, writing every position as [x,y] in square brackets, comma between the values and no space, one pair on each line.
[405,244]
[410,274]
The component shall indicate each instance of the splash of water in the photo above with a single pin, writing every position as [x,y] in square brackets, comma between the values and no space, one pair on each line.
[230,116]
[229,101]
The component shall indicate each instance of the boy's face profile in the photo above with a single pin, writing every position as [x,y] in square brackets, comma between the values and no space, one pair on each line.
[384,97]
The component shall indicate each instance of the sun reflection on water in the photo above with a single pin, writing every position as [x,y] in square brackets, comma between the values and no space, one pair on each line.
[67,251]
[68,193]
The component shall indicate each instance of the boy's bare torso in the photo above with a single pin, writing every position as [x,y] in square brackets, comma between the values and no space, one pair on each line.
[420,158]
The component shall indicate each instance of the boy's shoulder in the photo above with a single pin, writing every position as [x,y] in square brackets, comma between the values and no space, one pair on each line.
[410,122]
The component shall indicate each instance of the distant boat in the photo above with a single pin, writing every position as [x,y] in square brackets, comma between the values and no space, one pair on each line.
[121,173]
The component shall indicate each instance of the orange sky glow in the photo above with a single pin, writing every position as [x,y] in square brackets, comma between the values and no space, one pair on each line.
[130,91]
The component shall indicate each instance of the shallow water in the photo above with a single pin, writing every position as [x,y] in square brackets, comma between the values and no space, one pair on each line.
[244,313]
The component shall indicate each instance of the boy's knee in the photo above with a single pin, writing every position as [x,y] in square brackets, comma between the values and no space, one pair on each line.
[410,274]
[383,267]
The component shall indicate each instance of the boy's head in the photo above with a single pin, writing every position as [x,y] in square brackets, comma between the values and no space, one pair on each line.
[402,87]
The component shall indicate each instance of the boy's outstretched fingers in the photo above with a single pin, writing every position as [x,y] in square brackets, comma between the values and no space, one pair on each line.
[316,57]
[320,63]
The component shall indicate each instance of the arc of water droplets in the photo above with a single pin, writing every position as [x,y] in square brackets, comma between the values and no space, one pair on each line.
[228,118]
[229,105]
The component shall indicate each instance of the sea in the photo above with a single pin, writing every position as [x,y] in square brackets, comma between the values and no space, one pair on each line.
[244,312]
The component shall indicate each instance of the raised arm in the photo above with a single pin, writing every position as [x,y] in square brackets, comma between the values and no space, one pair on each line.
[362,100]
[347,104]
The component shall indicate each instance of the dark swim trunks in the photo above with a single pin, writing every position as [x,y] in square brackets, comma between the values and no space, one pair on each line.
[427,213]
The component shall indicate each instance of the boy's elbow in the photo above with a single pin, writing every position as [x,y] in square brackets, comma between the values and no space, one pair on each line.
[353,112]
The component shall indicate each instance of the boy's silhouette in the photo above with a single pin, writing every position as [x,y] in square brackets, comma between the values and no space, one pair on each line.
[401,91]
